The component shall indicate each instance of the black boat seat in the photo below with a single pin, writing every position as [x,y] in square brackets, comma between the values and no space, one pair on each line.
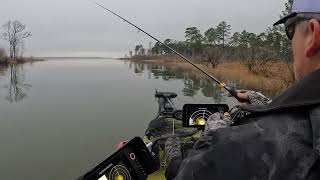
[165,95]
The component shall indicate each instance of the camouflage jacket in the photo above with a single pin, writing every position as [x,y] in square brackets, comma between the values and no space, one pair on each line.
[277,141]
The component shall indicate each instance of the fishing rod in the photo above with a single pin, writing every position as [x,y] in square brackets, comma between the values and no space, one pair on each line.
[231,90]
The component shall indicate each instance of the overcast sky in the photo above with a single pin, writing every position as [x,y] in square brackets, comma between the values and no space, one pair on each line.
[80,28]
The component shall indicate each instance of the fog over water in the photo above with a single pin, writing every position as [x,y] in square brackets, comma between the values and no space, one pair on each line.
[80,28]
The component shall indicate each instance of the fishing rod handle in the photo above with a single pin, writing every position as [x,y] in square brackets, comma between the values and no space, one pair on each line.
[234,93]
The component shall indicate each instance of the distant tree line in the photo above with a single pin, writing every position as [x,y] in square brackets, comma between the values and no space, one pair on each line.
[218,44]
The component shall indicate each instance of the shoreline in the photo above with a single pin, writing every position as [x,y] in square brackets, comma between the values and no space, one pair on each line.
[273,79]
[9,61]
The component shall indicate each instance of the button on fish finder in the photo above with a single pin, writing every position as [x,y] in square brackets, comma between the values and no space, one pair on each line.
[132,156]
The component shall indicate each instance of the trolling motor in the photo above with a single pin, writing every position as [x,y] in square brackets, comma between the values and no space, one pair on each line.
[166,105]
[161,125]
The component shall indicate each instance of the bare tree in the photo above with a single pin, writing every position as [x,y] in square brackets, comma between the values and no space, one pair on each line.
[213,55]
[22,48]
[14,32]
[2,53]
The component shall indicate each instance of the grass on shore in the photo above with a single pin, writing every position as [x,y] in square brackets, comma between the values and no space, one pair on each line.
[274,76]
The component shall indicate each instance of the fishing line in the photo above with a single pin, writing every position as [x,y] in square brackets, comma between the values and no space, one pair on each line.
[231,90]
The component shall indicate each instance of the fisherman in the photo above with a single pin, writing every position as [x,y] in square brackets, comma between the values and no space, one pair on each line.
[278,139]
[214,122]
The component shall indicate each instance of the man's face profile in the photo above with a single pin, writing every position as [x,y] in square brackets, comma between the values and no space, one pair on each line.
[305,46]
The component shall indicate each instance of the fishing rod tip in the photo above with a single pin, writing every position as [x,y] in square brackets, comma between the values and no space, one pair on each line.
[94,2]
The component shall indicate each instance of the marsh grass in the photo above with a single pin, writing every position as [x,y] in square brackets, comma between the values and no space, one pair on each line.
[272,77]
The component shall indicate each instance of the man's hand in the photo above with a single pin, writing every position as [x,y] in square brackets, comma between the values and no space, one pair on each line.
[253,97]
[217,121]
[121,144]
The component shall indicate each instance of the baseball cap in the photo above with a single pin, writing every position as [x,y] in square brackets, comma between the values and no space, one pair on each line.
[301,6]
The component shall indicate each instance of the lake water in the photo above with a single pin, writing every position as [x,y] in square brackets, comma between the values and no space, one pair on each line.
[59,118]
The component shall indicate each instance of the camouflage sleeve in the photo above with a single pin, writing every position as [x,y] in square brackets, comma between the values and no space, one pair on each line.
[256,98]
[217,121]
[173,148]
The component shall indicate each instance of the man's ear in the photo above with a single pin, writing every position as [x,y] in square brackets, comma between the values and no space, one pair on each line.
[314,44]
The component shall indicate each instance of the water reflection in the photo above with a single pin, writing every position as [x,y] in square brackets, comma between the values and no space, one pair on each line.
[194,81]
[3,70]
[16,88]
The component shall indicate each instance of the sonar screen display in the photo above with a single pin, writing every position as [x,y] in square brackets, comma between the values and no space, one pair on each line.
[132,161]
[196,115]
[117,172]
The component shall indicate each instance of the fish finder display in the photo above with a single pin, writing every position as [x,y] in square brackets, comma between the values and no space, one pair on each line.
[196,115]
[133,161]
[117,172]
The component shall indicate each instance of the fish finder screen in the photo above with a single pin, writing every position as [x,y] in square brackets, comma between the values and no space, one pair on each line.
[196,115]
[132,161]
[116,172]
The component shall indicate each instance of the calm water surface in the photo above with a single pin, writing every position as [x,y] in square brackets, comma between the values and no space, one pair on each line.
[58,118]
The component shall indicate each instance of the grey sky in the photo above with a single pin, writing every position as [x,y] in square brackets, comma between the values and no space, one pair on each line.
[79,28]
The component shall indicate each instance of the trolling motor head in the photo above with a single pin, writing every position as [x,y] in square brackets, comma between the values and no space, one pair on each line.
[166,106]
[169,95]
